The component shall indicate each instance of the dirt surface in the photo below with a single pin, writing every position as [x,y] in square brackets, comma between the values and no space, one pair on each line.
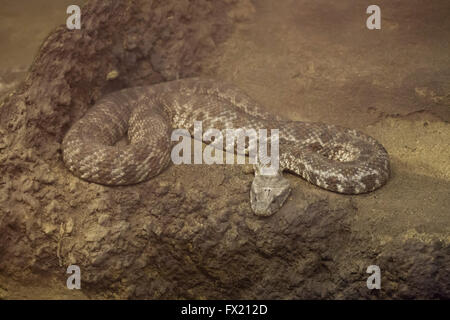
[190,232]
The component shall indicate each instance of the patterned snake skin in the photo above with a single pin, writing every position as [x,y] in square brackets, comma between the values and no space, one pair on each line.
[334,158]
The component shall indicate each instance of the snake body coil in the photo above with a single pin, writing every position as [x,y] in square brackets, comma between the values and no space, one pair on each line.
[334,158]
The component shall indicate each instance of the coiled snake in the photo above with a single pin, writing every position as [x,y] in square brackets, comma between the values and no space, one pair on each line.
[332,157]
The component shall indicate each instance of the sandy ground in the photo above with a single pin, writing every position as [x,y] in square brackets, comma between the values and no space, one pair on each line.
[316,61]
[25,24]
[23,27]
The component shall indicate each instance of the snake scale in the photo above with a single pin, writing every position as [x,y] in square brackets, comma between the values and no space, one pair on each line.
[331,157]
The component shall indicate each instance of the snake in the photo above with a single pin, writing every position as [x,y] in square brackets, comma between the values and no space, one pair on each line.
[332,157]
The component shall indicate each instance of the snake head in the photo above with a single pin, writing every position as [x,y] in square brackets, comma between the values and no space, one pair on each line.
[268,194]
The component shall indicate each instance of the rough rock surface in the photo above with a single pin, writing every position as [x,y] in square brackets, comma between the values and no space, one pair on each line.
[190,232]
